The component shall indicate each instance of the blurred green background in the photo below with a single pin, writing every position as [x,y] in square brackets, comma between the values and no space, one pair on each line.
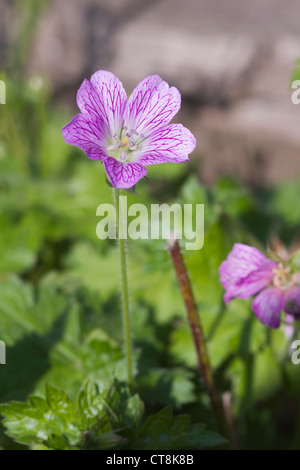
[59,284]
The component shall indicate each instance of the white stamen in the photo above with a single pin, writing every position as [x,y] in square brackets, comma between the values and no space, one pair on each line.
[123,156]
[133,146]
[111,147]
[120,145]
[116,136]
[128,134]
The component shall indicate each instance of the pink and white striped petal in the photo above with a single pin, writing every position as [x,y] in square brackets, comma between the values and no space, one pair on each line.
[151,105]
[104,97]
[172,143]
[268,305]
[87,133]
[123,175]
[245,272]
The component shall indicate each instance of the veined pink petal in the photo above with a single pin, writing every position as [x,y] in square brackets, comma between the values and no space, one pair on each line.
[267,306]
[241,261]
[151,105]
[87,133]
[172,143]
[88,101]
[251,284]
[245,272]
[292,301]
[123,175]
[104,96]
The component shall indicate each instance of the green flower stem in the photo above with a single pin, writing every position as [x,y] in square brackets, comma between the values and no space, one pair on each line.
[198,336]
[124,286]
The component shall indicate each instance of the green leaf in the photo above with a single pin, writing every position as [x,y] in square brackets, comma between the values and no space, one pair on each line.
[162,431]
[208,438]
[60,403]
[46,342]
[61,423]
[37,421]
[167,387]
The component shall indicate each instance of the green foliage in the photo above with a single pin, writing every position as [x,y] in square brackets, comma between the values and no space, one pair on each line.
[47,341]
[58,422]
[59,301]
[163,431]
[102,417]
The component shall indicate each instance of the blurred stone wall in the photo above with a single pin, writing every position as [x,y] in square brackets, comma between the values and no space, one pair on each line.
[232,61]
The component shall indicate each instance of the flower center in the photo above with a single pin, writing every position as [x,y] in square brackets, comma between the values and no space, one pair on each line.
[123,146]
[282,276]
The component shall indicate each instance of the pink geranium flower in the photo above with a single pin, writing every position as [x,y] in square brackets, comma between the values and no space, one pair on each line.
[127,135]
[247,272]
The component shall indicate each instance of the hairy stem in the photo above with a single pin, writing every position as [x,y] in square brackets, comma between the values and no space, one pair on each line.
[198,336]
[124,286]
